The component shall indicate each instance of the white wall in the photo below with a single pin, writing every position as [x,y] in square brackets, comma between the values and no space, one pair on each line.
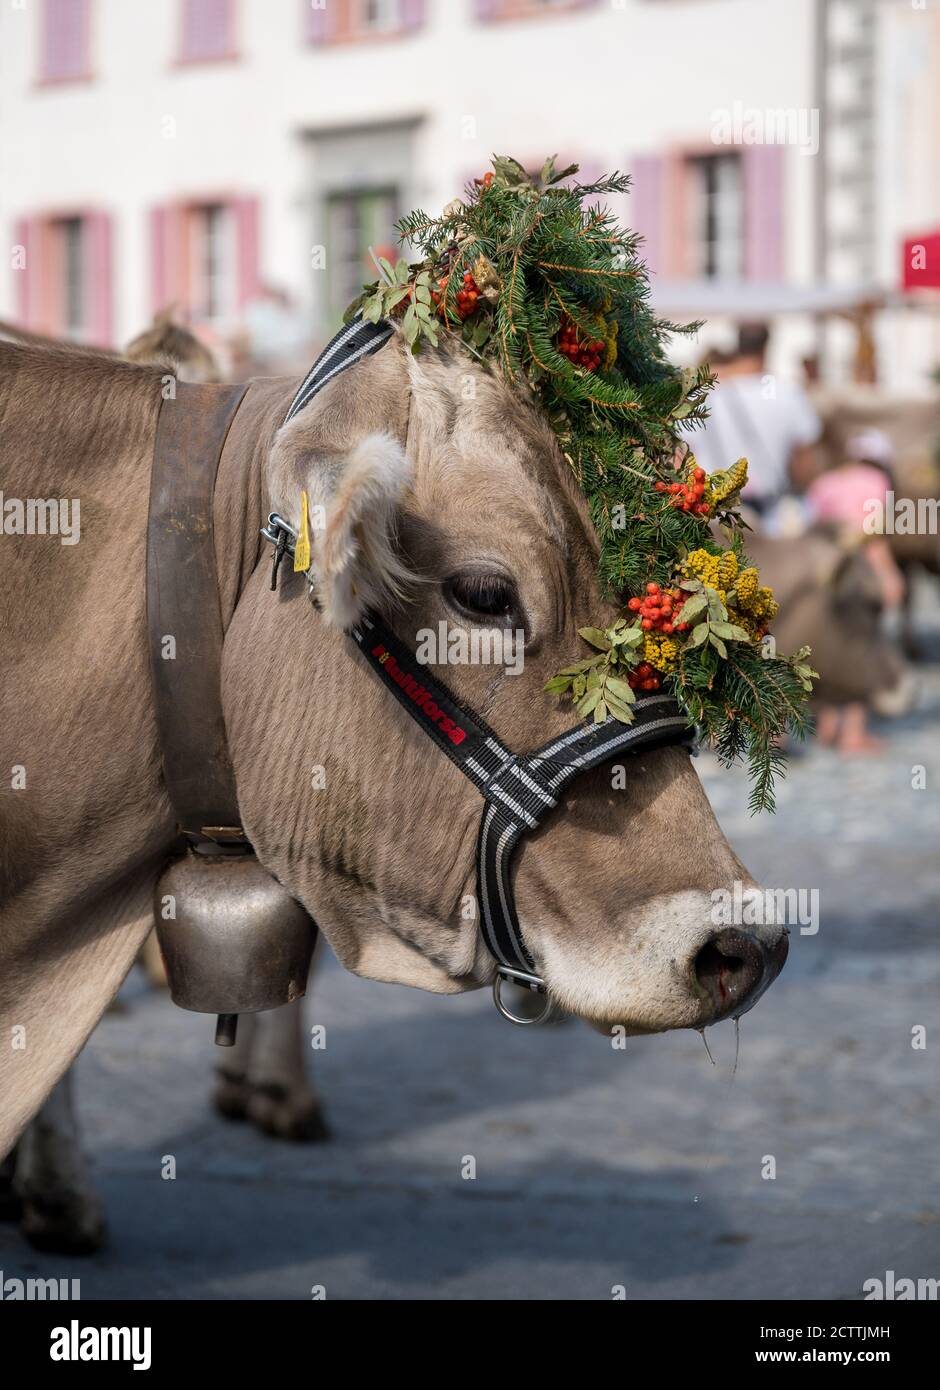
[625,77]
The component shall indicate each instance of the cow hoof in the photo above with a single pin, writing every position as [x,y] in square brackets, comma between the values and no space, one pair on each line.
[230,1097]
[73,1225]
[283,1116]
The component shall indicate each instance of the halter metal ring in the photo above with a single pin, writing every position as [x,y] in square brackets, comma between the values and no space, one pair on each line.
[515,1018]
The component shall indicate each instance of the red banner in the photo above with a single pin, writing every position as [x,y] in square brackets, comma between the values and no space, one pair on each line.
[921,268]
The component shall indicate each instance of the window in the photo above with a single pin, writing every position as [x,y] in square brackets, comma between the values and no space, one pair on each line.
[70,234]
[716,217]
[204,258]
[65,41]
[212,269]
[376,16]
[64,286]
[207,31]
[344,21]
[526,9]
[356,221]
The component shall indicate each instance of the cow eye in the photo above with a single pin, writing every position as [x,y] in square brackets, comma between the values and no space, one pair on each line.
[482,597]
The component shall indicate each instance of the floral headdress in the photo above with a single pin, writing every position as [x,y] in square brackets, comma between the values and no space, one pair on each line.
[534,277]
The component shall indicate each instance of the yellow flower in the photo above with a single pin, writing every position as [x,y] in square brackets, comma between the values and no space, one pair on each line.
[728,570]
[747,588]
[725,484]
[699,564]
[661,652]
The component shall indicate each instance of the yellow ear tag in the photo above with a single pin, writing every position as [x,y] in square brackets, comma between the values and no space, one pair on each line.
[302,544]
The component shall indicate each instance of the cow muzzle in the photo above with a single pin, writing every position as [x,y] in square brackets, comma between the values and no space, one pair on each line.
[734,969]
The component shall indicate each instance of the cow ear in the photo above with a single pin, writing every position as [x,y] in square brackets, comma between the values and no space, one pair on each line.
[354,497]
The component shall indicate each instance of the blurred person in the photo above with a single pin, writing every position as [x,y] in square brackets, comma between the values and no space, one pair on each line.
[771,423]
[277,335]
[840,500]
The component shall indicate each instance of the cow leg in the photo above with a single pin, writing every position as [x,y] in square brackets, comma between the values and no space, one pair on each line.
[11,1208]
[282,1101]
[231,1092]
[61,1210]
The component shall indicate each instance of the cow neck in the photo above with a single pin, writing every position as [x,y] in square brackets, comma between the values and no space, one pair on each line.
[206,505]
[239,501]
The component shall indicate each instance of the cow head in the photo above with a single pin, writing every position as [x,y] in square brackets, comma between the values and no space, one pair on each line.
[442,496]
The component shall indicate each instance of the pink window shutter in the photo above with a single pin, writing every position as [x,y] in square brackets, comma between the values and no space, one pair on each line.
[321,20]
[764,172]
[168,268]
[160,293]
[207,30]
[99,279]
[645,209]
[247,219]
[412,15]
[65,34]
[25,277]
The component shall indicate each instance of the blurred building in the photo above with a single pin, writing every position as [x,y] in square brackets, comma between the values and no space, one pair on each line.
[240,157]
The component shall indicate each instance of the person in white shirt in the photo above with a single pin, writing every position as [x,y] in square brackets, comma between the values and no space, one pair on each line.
[759,417]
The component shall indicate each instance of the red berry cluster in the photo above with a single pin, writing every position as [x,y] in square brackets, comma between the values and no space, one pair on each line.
[688,497]
[583,352]
[643,677]
[658,609]
[467,296]
[486,181]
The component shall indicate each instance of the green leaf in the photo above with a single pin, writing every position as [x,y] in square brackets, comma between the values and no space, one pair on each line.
[410,326]
[691,607]
[387,267]
[620,710]
[717,643]
[557,685]
[621,688]
[596,637]
[578,666]
[600,712]
[698,635]
[372,309]
[589,703]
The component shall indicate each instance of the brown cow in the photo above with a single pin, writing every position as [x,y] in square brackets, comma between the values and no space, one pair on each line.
[431,473]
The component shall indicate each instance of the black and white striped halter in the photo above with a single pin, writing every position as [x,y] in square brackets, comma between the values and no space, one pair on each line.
[518,789]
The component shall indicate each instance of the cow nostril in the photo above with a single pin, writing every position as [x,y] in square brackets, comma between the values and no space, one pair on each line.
[730,967]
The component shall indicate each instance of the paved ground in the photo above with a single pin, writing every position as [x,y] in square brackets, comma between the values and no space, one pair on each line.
[594,1167]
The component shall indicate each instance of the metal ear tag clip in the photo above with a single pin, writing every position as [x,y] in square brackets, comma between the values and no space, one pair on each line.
[282,537]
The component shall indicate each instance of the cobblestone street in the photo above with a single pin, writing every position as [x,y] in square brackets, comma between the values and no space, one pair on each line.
[595,1167]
